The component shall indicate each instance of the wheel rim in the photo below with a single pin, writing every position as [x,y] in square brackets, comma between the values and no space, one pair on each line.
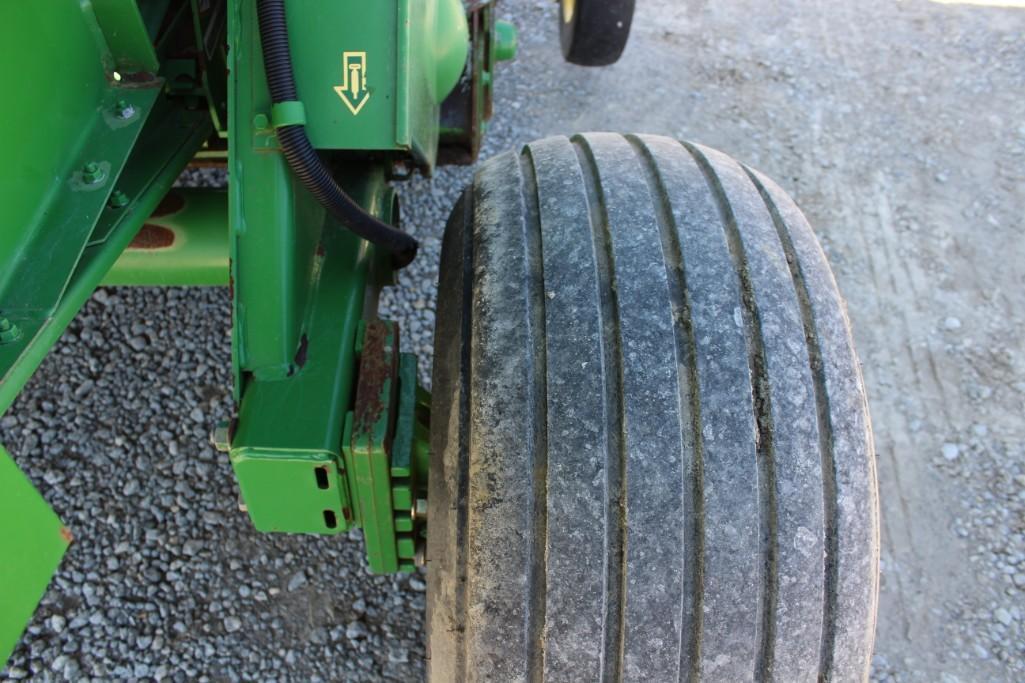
[568,9]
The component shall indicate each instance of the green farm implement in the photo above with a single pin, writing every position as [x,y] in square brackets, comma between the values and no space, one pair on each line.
[646,451]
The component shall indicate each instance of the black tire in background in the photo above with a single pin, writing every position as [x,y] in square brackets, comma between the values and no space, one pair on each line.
[594,32]
[651,451]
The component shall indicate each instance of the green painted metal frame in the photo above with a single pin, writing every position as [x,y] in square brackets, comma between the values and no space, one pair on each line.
[275,226]
[100,126]
[301,283]
[69,145]
[172,137]
[183,243]
[290,427]
[97,150]
[26,523]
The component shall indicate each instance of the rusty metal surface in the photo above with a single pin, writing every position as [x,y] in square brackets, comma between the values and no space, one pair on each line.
[378,368]
[152,237]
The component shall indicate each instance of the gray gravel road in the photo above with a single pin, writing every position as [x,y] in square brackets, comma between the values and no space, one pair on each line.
[899,126]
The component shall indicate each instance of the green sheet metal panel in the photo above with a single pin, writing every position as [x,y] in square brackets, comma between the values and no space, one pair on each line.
[50,89]
[72,125]
[128,39]
[32,542]
[345,68]
[275,224]
[375,80]
[172,135]
[292,492]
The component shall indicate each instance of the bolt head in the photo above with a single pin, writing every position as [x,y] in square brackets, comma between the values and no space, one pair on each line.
[92,173]
[123,110]
[118,200]
[8,331]
[221,437]
[401,170]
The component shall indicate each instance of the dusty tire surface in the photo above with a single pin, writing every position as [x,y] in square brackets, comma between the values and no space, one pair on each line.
[652,456]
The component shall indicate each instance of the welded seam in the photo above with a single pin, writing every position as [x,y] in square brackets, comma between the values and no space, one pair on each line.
[825,429]
[537,370]
[615,565]
[463,476]
[765,448]
[690,416]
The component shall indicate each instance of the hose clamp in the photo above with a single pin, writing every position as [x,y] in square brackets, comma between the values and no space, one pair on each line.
[291,113]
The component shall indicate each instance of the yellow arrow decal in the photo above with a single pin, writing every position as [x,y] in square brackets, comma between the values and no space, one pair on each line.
[353,89]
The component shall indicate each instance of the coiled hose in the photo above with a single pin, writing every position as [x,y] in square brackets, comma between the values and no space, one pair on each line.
[302,158]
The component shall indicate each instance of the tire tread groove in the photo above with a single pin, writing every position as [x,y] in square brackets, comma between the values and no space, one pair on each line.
[829,486]
[690,406]
[615,466]
[765,449]
[537,381]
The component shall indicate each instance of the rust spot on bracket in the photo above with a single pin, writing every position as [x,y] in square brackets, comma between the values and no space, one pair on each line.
[152,237]
[379,364]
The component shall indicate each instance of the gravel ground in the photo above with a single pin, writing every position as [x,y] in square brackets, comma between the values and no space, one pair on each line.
[899,126]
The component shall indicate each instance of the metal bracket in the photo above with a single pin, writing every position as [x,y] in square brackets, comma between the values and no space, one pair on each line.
[385,449]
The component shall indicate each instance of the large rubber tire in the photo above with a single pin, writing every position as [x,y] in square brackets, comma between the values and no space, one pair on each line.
[652,458]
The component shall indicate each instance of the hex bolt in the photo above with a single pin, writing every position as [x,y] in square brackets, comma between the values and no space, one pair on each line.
[221,437]
[124,110]
[118,200]
[401,170]
[8,331]
[92,173]
[419,511]
[421,554]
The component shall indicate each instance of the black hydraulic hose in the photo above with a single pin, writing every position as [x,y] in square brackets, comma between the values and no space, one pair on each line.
[299,153]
